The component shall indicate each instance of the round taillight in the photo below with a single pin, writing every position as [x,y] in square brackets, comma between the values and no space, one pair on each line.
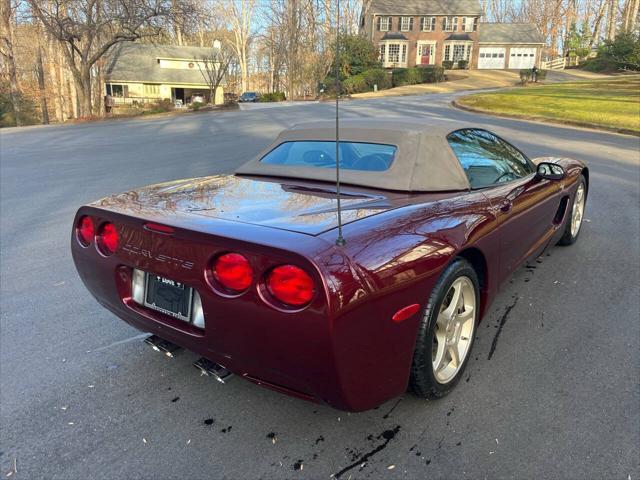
[108,239]
[291,285]
[233,272]
[85,231]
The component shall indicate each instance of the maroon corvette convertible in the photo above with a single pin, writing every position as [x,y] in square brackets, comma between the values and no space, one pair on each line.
[245,269]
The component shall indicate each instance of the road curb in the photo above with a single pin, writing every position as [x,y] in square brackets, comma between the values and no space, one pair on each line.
[544,121]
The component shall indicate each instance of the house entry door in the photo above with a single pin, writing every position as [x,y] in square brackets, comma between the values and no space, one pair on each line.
[426,54]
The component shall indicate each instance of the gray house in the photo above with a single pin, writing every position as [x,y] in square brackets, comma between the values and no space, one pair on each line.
[142,72]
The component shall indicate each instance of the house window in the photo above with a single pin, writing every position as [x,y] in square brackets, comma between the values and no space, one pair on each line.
[457,51]
[115,90]
[384,24]
[469,24]
[151,90]
[450,24]
[406,24]
[428,24]
[394,53]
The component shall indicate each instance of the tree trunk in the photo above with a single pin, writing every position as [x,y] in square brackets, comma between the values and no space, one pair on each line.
[55,82]
[41,87]
[613,17]
[70,102]
[7,49]
[595,36]
[631,15]
[83,91]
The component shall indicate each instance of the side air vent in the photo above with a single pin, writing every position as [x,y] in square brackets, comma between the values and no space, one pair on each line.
[562,210]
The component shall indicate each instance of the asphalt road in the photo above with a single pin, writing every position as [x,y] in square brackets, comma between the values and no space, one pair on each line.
[82,397]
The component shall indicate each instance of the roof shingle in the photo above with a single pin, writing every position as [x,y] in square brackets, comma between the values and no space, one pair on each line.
[510,33]
[426,7]
[138,62]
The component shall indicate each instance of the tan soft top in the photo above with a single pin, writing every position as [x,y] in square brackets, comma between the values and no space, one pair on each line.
[424,161]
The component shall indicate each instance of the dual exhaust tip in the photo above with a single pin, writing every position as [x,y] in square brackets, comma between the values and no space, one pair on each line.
[204,365]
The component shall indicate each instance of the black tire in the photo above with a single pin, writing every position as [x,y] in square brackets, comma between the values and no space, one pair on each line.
[568,238]
[423,381]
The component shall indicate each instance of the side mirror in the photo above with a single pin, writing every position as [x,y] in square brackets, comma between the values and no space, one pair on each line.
[550,171]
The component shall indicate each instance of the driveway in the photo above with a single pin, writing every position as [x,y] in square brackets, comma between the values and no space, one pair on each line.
[465,80]
[82,397]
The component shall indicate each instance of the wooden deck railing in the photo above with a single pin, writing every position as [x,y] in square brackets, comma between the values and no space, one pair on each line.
[560,63]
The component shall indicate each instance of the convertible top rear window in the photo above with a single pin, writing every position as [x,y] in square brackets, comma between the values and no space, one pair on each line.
[364,157]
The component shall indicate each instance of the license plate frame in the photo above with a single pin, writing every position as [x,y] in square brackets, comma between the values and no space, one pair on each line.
[160,292]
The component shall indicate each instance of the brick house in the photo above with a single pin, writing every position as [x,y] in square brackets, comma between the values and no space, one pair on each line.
[428,32]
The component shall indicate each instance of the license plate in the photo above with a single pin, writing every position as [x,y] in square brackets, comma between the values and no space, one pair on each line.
[168,296]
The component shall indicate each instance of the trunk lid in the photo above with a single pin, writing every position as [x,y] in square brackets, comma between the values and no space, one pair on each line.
[304,207]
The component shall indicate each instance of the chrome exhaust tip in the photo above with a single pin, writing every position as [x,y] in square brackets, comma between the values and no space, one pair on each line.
[161,345]
[212,369]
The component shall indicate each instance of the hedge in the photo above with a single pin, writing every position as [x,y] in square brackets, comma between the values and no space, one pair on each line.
[416,75]
[366,81]
[526,75]
[273,97]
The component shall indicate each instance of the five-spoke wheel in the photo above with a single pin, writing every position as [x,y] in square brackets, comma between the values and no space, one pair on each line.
[447,331]
[454,329]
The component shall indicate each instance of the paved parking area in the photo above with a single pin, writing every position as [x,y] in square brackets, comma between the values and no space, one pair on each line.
[82,397]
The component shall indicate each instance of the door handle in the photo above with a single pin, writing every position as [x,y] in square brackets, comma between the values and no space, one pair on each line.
[506,207]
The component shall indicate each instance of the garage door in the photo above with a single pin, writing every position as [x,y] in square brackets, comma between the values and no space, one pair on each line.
[492,58]
[522,58]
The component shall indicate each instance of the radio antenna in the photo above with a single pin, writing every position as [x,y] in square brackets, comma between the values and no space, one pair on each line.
[340,241]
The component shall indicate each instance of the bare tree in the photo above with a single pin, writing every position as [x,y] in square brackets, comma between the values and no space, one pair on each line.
[238,15]
[612,25]
[41,86]
[87,29]
[7,52]
[214,66]
[630,18]
[597,23]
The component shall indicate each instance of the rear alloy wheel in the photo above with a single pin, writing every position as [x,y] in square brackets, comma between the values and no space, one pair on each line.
[574,222]
[446,332]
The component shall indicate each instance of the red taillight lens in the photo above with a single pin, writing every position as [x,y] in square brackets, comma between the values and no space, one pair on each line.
[85,231]
[108,238]
[233,272]
[291,285]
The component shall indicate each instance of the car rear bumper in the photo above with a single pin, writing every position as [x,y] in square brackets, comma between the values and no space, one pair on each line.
[350,362]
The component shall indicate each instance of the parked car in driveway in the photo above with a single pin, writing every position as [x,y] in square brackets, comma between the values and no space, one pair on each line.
[249,97]
[246,269]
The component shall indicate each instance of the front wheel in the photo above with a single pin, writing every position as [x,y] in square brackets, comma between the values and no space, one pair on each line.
[446,332]
[574,222]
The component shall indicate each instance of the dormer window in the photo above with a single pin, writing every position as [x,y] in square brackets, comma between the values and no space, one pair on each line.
[428,24]
[450,24]
[406,24]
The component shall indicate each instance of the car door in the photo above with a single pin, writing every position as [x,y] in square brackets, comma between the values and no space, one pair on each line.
[524,205]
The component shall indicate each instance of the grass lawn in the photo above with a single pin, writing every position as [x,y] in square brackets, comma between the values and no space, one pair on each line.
[611,103]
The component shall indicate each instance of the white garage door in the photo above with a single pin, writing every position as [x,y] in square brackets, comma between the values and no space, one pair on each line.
[522,58]
[492,58]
